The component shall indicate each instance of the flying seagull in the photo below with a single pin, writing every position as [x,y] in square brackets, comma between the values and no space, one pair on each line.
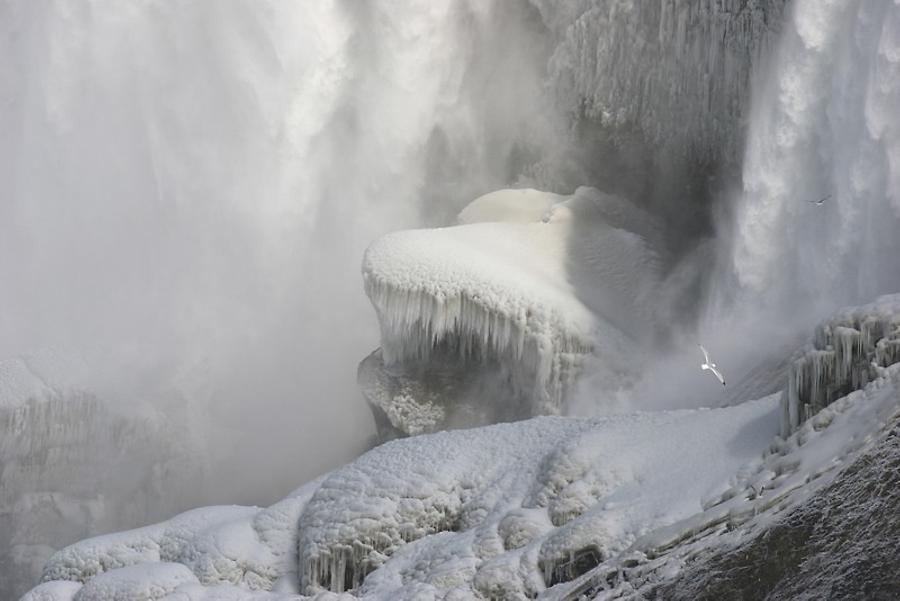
[821,201]
[707,364]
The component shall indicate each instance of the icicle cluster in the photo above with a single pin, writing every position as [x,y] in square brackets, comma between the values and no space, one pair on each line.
[418,324]
[846,353]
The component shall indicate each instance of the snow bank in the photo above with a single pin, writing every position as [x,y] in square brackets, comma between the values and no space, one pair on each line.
[528,287]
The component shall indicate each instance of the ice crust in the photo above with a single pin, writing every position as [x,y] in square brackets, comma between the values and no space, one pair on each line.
[531,283]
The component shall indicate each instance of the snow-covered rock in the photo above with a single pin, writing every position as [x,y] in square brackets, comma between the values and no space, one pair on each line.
[492,320]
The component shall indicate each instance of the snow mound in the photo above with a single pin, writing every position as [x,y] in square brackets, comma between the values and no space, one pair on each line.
[243,546]
[145,582]
[849,350]
[56,590]
[524,205]
[505,295]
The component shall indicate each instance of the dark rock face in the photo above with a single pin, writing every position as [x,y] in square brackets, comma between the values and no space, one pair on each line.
[844,543]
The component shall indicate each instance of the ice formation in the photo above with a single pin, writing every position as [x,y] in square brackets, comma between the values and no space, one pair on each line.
[505,308]
[850,349]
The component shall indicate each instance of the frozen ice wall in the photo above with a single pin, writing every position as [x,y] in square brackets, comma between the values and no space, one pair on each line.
[657,93]
[825,123]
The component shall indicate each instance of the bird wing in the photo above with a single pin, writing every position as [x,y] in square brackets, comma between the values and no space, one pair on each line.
[705,354]
[718,375]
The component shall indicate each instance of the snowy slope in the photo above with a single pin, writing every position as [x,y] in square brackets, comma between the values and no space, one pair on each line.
[791,473]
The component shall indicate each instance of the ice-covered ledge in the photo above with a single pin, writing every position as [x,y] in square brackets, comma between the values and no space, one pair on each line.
[506,305]
[848,351]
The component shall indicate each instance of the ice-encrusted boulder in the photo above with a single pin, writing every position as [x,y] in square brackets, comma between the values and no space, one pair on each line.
[492,320]
[848,350]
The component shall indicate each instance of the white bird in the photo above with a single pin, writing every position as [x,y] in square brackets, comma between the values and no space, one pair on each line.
[707,364]
[821,201]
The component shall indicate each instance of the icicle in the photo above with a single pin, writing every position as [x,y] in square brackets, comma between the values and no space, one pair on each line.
[840,358]
[533,343]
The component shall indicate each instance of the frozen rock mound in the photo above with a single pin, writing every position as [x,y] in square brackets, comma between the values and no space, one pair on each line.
[492,320]
[848,351]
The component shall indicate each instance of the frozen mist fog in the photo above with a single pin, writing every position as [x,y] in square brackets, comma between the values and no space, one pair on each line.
[187,190]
